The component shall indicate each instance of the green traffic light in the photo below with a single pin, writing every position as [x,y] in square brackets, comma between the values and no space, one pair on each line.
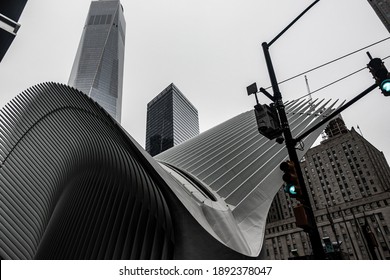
[290,189]
[385,85]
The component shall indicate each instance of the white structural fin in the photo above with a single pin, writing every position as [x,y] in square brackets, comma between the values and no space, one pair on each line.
[232,173]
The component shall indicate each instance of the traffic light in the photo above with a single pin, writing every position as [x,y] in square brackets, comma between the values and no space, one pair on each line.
[290,178]
[267,120]
[381,75]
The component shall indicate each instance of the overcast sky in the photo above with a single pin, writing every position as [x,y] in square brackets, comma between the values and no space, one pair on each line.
[211,50]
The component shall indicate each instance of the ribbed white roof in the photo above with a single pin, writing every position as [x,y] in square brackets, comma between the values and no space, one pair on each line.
[241,167]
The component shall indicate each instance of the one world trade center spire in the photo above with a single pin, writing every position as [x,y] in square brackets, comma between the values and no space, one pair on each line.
[98,67]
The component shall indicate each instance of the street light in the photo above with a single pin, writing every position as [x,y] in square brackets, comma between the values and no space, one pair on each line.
[303,212]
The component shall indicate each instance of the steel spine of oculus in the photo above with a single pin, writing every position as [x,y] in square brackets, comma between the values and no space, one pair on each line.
[73,185]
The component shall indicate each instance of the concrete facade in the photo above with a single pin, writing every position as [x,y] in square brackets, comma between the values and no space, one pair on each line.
[349,182]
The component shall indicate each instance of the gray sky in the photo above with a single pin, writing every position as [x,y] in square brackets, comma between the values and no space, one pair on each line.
[211,50]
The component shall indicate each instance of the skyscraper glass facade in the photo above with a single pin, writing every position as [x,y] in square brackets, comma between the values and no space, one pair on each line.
[382,9]
[171,120]
[98,67]
[9,26]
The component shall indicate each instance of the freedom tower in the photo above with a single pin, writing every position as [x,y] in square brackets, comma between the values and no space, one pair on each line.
[98,67]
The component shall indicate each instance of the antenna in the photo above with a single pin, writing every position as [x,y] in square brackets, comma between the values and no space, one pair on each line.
[359,130]
[308,91]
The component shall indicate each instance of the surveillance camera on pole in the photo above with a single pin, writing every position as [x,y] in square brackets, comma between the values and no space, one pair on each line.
[267,117]
[268,121]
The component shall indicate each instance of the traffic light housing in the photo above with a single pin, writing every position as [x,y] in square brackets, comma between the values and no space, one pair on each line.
[380,74]
[267,120]
[290,178]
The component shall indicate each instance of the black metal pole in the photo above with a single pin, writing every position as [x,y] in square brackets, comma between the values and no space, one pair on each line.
[314,235]
[291,24]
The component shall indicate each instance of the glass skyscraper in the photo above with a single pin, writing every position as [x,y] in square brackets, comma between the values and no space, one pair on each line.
[98,67]
[382,9]
[171,120]
[9,15]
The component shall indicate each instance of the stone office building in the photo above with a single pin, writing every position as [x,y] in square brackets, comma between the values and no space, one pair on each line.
[349,182]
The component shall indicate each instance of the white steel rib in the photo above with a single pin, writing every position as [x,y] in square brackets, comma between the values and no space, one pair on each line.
[229,175]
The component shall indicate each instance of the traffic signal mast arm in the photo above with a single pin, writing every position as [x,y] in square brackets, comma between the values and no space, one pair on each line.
[295,184]
[293,174]
[334,114]
[382,79]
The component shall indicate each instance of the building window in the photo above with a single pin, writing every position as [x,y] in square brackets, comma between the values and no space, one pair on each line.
[91,19]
